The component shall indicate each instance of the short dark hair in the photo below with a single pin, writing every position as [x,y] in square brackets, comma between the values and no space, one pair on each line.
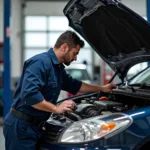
[69,37]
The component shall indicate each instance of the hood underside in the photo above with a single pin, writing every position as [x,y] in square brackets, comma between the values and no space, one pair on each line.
[120,36]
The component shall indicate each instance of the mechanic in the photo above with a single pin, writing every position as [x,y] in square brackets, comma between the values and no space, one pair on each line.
[42,78]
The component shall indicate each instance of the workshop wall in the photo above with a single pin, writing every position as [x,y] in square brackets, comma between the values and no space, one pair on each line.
[42,8]
[1,20]
[139,6]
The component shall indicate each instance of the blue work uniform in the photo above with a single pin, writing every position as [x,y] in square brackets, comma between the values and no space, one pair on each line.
[42,78]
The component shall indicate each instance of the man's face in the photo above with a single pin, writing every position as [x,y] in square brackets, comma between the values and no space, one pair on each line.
[71,55]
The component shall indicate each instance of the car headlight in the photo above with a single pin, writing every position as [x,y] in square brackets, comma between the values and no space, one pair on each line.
[95,128]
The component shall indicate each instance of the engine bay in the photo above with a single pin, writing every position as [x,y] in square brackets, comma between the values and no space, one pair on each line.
[94,104]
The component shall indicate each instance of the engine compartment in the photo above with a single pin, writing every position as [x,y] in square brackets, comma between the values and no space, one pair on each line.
[93,104]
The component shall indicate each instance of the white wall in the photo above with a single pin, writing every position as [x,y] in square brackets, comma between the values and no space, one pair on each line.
[45,8]
[53,8]
[139,6]
[1,20]
[16,37]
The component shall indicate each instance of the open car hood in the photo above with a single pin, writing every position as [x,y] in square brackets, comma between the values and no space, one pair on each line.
[120,36]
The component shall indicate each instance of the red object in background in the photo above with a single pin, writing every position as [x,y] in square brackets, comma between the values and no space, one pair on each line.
[70,95]
[103,99]
[107,73]
[1,61]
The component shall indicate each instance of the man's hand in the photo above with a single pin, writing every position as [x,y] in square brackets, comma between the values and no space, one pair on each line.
[108,87]
[65,106]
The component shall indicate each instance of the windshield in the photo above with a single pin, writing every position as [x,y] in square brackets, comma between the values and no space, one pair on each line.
[143,77]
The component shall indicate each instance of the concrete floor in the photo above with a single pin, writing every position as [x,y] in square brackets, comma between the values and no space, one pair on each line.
[2,147]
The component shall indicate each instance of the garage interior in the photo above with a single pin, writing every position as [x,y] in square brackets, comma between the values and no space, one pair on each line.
[29,27]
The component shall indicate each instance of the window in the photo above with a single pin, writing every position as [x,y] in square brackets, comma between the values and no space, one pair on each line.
[58,23]
[52,37]
[41,33]
[31,52]
[36,23]
[36,39]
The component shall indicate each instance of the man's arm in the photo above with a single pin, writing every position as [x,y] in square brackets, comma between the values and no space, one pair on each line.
[85,87]
[49,107]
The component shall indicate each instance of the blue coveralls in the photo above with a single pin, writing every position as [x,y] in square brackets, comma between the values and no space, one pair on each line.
[42,78]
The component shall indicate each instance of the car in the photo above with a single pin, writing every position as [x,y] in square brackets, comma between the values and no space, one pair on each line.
[121,121]
[142,78]
[78,71]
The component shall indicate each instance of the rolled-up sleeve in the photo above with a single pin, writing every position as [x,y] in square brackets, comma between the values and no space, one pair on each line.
[70,84]
[33,81]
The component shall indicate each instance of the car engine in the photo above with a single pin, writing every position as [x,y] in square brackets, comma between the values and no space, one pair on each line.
[89,105]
